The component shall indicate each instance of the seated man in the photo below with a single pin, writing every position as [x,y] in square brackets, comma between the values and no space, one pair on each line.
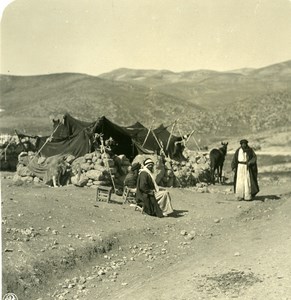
[155,202]
[131,177]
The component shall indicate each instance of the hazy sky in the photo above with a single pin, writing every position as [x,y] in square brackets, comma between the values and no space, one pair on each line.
[96,36]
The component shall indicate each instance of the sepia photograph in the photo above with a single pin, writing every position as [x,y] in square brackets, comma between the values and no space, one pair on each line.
[145,149]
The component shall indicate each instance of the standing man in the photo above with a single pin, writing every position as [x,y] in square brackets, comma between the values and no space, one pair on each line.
[244,165]
[155,202]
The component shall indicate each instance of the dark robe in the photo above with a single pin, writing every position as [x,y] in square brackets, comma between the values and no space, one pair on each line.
[145,195]
[130,180]
[252,167]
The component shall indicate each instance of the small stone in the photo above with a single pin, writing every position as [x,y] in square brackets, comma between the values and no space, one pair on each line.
[101,272]
[183,232]
[236,254]
[55,232]
[82,280]
[124,283]
[8,250]
[81,287]
[216,220]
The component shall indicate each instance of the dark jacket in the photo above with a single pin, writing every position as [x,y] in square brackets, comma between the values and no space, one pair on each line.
[145,195]
[252,167]
[130,179]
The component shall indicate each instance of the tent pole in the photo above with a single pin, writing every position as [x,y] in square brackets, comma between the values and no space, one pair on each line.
[161,147]
[196,143]
[168,142]
[162,150]
[181,136]
[47,140]
[150,129]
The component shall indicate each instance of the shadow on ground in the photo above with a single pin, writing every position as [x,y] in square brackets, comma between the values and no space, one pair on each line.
[178,213]
[267,197]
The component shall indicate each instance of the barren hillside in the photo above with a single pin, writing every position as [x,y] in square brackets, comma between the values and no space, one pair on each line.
[213,103]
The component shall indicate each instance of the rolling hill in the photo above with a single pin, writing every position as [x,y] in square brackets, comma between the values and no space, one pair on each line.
[211,102]
[206,88]
[86,97]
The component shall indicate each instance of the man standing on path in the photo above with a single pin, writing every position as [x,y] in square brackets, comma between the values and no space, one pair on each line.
[244,165]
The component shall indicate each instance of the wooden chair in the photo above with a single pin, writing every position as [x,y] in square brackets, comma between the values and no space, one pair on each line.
[129,195]
[103,193]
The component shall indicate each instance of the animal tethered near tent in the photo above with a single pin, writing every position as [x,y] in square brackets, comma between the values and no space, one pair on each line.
[217,157]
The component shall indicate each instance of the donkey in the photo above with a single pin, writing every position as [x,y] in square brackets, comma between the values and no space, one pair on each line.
[217,157]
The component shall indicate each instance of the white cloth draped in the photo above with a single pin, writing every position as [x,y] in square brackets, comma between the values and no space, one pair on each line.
[243,181]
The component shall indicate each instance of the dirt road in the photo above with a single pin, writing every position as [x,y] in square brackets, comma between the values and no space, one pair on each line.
[212,248]
[244,256]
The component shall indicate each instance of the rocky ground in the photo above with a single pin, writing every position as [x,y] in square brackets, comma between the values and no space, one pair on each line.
[59,243]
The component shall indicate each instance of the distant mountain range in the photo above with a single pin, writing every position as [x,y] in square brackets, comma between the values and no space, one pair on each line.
[207,88]
[209,101]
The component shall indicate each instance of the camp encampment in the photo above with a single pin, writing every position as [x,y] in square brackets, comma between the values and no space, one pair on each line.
[72,136]
[101,152]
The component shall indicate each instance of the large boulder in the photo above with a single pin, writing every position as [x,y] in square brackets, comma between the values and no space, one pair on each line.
[79,181]
[95,174]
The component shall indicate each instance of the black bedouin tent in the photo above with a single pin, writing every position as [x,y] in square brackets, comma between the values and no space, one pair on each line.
[72,136]
[154,140]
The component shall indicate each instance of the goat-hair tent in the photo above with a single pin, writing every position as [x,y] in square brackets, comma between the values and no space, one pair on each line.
[72,136]
[153,140]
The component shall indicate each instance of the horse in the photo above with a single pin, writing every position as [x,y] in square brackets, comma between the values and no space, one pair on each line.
[217,157]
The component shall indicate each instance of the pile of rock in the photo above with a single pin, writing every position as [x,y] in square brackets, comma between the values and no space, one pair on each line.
[194,170]
[95,169]
[171,173]
[23,174]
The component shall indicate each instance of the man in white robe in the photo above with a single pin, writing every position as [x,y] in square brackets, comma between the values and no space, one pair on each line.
[244,165]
